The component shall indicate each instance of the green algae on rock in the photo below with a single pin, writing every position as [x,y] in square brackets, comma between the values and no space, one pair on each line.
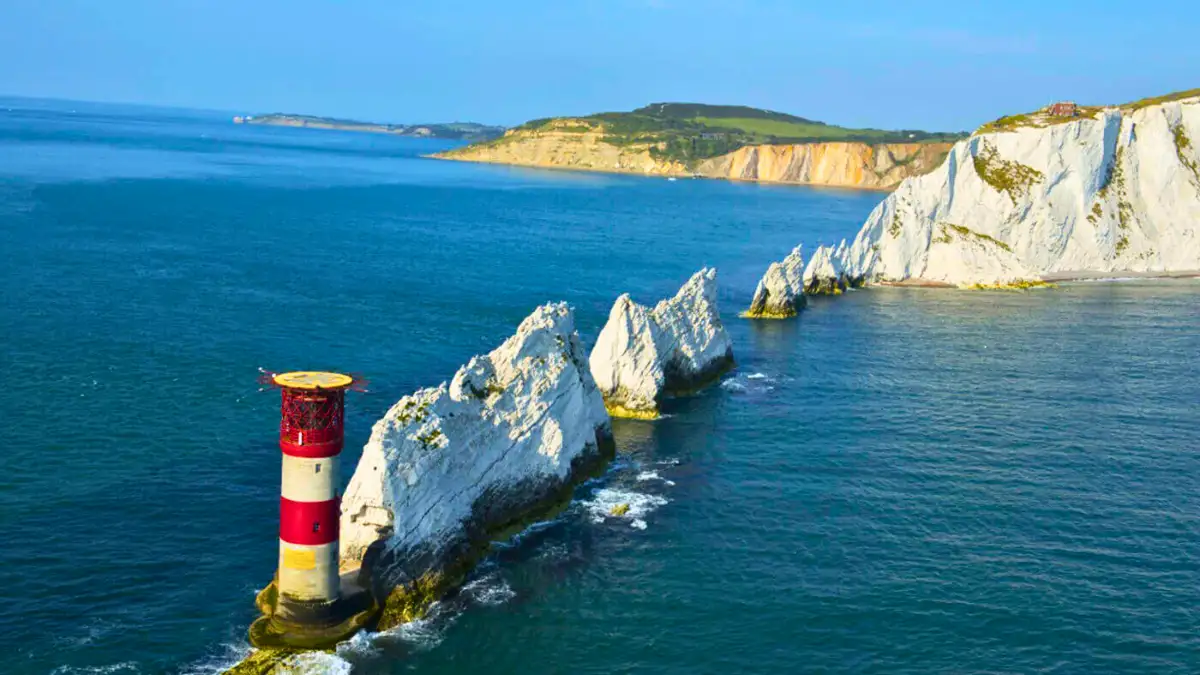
[1018,285]
[261,662]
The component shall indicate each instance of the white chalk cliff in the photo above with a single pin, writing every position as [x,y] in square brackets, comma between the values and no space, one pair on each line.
[448,467]
[643,354]
[780,293]
[1033,197]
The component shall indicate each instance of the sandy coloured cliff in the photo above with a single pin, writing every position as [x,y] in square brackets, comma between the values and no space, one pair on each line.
[839,164]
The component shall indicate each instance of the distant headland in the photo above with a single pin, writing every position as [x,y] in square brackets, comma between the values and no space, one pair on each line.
[466,131]
[718,141]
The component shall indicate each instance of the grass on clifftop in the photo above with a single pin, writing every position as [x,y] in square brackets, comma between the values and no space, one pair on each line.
[1165,98]
[1042,118]
[687,132]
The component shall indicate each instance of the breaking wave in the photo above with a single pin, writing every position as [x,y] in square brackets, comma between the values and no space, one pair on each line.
[421,634]
[315,663]
[653,475]
[751,384]
[230,655]
[114,669]
[607,502]
[489,590]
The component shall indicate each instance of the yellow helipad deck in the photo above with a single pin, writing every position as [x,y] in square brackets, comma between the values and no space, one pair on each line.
[306,379]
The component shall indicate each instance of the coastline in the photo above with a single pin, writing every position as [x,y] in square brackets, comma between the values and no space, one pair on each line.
[669,174]
[1084,275]
[1055,278]
[465,131]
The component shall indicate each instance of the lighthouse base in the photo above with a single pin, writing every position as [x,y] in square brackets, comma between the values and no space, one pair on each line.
[288,624]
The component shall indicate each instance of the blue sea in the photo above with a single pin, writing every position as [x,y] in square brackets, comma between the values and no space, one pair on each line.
[900,481]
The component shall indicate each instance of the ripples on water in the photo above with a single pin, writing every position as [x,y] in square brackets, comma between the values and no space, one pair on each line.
[901,481]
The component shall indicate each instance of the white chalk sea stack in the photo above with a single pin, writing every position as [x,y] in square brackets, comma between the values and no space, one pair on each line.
[643,355]
[780,293]
[448,468]
[1111,192]
[826,271]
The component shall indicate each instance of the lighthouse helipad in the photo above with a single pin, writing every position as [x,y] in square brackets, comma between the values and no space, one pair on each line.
[312,380]
[310,604]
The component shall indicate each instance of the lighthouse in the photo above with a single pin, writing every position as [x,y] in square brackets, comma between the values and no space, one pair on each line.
[306,605]
[311,436]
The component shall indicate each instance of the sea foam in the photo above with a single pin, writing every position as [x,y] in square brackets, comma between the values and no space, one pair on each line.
[640,505]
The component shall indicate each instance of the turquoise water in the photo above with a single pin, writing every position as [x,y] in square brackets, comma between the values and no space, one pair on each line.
[901,481]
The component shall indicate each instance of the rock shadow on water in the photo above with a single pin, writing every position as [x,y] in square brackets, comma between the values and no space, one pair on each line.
[776,337]
[679,447]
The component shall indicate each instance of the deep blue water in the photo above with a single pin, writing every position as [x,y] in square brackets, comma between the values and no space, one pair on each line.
[901,481]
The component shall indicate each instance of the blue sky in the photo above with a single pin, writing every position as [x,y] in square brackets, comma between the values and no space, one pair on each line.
[942,65]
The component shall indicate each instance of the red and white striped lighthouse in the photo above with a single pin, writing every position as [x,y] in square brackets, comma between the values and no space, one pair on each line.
[311,438]
[310,605]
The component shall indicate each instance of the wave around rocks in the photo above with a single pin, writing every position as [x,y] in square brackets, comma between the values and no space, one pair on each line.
[625,505]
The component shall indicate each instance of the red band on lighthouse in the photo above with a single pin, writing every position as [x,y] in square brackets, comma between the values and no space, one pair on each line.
[305,447]
[308,523]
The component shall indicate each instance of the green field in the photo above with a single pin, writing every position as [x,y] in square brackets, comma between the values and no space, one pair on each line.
[781,129]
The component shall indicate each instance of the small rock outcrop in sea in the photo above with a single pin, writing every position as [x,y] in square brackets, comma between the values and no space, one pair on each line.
[780,293]
[826,271]
[678,347]
[449,469]
[1046,196]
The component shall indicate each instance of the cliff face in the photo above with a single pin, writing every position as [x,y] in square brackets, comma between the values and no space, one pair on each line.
[855,165]
[584,150]
[1116,191]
